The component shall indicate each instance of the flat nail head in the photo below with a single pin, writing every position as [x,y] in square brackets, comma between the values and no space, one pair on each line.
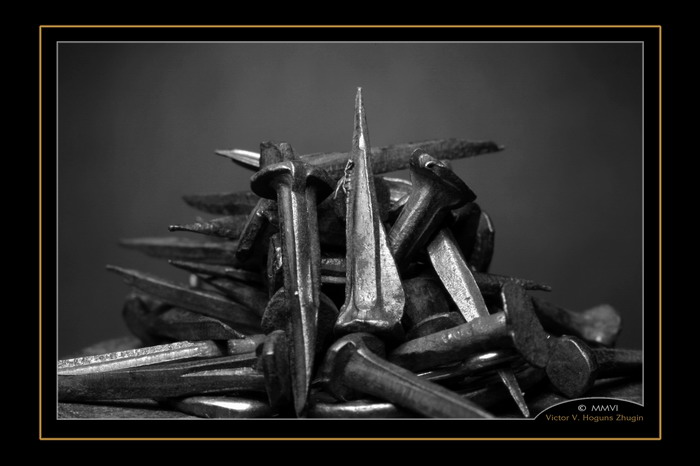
[262,182]
[572,367]
[425,167]
[338,355]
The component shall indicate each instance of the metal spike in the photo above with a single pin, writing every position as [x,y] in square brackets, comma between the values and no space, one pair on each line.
[209,252]
[228,227]
[203,302]
[374,297]
[236,203]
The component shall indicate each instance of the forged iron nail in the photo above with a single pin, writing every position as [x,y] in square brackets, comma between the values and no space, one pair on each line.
[452,268]
[384,159]
[516,326]
[436,190]
[230,203]
[153,321]
[598,325]
[129,342]
[129,359]
[222,407]
[209,376]
[251,297]
[298,187]
[228,227]
[574,367]
[352,363]
[187,249]
[490,396]
[374,297]
[203,302]
[221,271]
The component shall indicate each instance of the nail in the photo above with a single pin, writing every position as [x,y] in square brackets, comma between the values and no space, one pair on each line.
[436,191]
[454,273]
[231,203]
[228,227]
[374,298]
[171,352]
[209,376]
[187,249]
[598,325]
[351,364]
[153,321]
[298,187]
[516,326]
[221,271]
[222,407]
[489,396]
[384,159]
[574,367]
[206,303]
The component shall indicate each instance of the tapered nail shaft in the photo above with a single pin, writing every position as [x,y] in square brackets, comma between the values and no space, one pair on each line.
[352,364]
[229,227]
[203,302]
[374,298]
[154,321]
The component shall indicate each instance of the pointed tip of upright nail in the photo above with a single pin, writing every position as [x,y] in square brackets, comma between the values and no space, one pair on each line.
[360,139]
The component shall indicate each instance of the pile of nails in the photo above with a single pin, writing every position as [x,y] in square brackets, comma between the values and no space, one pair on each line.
[331,291]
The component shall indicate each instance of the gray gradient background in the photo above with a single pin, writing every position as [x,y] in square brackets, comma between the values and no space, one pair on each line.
[138,124]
